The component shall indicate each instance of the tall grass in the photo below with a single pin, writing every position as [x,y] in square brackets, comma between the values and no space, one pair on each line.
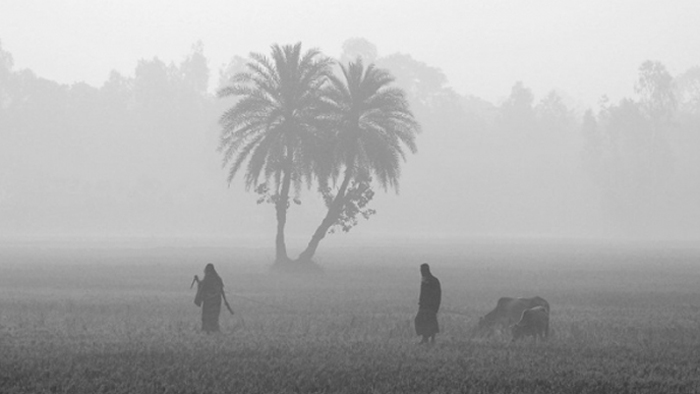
[91,321]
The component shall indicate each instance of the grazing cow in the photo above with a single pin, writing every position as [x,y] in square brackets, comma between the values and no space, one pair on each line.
[534,323]
[508,311]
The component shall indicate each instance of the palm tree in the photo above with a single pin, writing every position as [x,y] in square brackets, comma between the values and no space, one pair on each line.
[274,124]
[373,124]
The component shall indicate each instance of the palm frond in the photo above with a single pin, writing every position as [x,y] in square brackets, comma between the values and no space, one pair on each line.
[281,108]
[243,154]
[372,121]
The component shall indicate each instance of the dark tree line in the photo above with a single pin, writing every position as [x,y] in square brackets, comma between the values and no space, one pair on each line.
[111,157]
[139,150]
[639,150]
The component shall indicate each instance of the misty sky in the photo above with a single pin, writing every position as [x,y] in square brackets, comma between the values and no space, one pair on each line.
[482,169]
[585,48]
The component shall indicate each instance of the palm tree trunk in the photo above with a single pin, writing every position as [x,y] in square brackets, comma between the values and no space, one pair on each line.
[331,216]
[281,207]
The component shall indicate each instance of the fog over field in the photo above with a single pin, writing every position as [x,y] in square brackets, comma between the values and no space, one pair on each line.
[623,319]
[110,122]
[109,118]
[542,157]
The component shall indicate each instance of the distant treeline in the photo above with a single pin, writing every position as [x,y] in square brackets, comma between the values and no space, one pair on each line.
[138,155]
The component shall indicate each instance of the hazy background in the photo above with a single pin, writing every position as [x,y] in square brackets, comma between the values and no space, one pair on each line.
[108,119]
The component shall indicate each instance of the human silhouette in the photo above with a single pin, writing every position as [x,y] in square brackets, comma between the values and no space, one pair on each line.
[210,292]
[428,305]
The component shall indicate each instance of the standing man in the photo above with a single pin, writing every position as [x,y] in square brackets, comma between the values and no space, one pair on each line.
[428,306]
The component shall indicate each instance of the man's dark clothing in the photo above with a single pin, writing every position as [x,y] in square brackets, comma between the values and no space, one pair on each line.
[428,306]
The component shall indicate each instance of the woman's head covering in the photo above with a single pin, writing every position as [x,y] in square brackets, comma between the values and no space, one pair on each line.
[209,270]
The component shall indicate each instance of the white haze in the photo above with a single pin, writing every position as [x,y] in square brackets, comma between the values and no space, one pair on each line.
[97,182]
[584,48]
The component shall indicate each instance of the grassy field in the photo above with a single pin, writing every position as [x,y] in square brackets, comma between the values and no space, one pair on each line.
[122,320]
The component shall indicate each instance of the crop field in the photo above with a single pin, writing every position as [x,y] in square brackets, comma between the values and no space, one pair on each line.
[625,319]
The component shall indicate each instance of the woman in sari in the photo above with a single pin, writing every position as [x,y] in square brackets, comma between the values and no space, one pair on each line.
[210,292]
